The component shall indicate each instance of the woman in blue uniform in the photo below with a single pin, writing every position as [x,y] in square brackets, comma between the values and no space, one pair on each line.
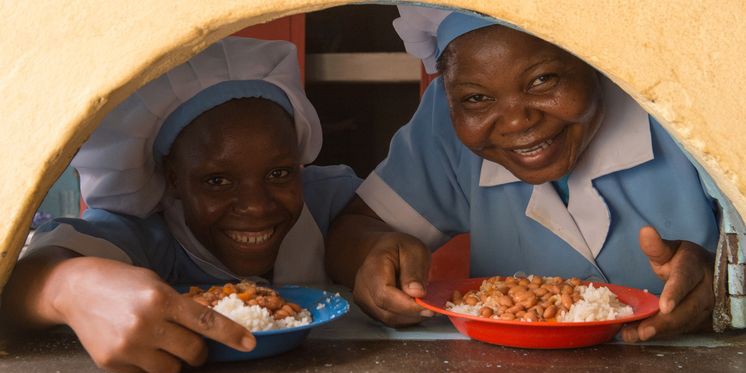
[196,178]
[551,168]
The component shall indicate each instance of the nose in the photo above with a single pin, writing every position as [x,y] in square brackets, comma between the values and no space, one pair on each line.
[517,115]
[253,200]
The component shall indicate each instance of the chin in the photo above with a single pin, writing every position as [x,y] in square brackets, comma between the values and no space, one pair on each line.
[252,269]
[250,265]
[541,177]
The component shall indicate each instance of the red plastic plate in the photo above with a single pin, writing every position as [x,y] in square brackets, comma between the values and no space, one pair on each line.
[536,334]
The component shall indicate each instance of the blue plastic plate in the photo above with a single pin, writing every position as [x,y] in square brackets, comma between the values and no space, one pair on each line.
[323,306]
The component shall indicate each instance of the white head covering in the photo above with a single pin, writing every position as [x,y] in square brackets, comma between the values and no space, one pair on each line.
[117,168]
[418,27]
[426,32]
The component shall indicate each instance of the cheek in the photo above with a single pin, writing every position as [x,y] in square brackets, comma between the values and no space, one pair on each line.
[290,198]
[578,102]
[473,130]
[204,208]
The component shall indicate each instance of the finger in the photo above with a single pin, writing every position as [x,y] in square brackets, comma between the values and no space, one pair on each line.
[392,319]
[211,324]
[629,332]
[184,344]
[387,317]
[122,368]
[684,275]
[392,299]
[156,361]
[690,315]
[414,262]
[657,250]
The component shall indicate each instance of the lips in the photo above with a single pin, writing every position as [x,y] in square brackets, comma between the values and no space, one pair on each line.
[536,149]
[537,155]
[250,237]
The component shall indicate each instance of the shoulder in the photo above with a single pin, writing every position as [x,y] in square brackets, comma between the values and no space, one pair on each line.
[105,234]
[327,190]
[328,174]
[103,220]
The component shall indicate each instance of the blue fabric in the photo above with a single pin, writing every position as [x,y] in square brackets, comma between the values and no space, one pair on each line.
[562,188]
[149,244]
[327,190]
[438,176]
[457,24]
[209,98]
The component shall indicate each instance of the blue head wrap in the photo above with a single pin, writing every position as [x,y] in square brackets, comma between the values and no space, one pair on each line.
[457,24]
[209,98]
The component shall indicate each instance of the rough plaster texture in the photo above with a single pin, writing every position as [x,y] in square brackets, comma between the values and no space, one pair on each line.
[65,64]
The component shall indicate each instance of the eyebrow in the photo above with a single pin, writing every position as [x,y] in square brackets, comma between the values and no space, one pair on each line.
[550,58]
[542,61]
[468,84]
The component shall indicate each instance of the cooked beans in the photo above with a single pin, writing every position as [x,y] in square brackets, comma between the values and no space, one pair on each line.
[505,301]
[533,298]
[250,294]
[550,311]
[471,300]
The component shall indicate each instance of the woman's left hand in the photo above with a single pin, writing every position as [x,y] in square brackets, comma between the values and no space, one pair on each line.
[687,299]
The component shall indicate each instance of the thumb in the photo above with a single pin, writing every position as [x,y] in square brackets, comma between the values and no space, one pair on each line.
[414,265]
[658,250]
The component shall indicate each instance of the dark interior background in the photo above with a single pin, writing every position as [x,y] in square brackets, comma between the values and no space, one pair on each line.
[358,118]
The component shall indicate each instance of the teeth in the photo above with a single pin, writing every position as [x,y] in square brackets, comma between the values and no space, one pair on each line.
[250,237]
[534,149]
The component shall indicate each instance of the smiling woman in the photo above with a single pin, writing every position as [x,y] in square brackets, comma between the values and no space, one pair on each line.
[550,168]
[240,182]
[56,93]
[196,178]
[538,118]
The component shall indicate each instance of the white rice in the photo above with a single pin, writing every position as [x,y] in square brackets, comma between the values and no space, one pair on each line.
[257,318]
[464,308]
[596,304]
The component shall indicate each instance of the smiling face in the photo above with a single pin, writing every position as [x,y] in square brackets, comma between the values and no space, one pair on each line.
[521,102]
[236,169]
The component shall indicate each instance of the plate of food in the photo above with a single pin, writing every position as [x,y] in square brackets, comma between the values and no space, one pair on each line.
[536,311]
[280,318]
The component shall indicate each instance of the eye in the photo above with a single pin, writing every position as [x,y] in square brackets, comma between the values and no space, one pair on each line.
[477,98]
[543,82]
[279,175]
[217,181]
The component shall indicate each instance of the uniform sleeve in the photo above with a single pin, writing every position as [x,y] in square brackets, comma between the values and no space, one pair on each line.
[728,219]
[327,190]
[420,187]
[107,235]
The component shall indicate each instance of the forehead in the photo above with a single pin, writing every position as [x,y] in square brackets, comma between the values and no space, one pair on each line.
[500,43]
[236,128]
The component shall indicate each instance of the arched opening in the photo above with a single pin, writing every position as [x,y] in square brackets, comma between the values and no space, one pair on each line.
[672,73]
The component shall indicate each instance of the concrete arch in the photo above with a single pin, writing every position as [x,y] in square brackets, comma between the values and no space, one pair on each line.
[65,64]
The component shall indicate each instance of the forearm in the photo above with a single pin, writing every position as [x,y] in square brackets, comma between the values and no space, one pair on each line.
[29,298]
[351,237]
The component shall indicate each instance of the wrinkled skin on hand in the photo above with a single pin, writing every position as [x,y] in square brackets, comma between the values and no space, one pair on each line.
[391,276]
[687,299]
[129,320]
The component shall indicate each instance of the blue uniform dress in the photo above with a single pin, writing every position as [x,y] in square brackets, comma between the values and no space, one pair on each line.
[150,243]
[632,174]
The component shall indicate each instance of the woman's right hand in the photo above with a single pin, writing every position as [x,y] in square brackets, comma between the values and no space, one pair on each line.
[394,271]
[129,320]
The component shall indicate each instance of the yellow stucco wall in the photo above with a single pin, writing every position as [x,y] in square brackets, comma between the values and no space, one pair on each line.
[65,64]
